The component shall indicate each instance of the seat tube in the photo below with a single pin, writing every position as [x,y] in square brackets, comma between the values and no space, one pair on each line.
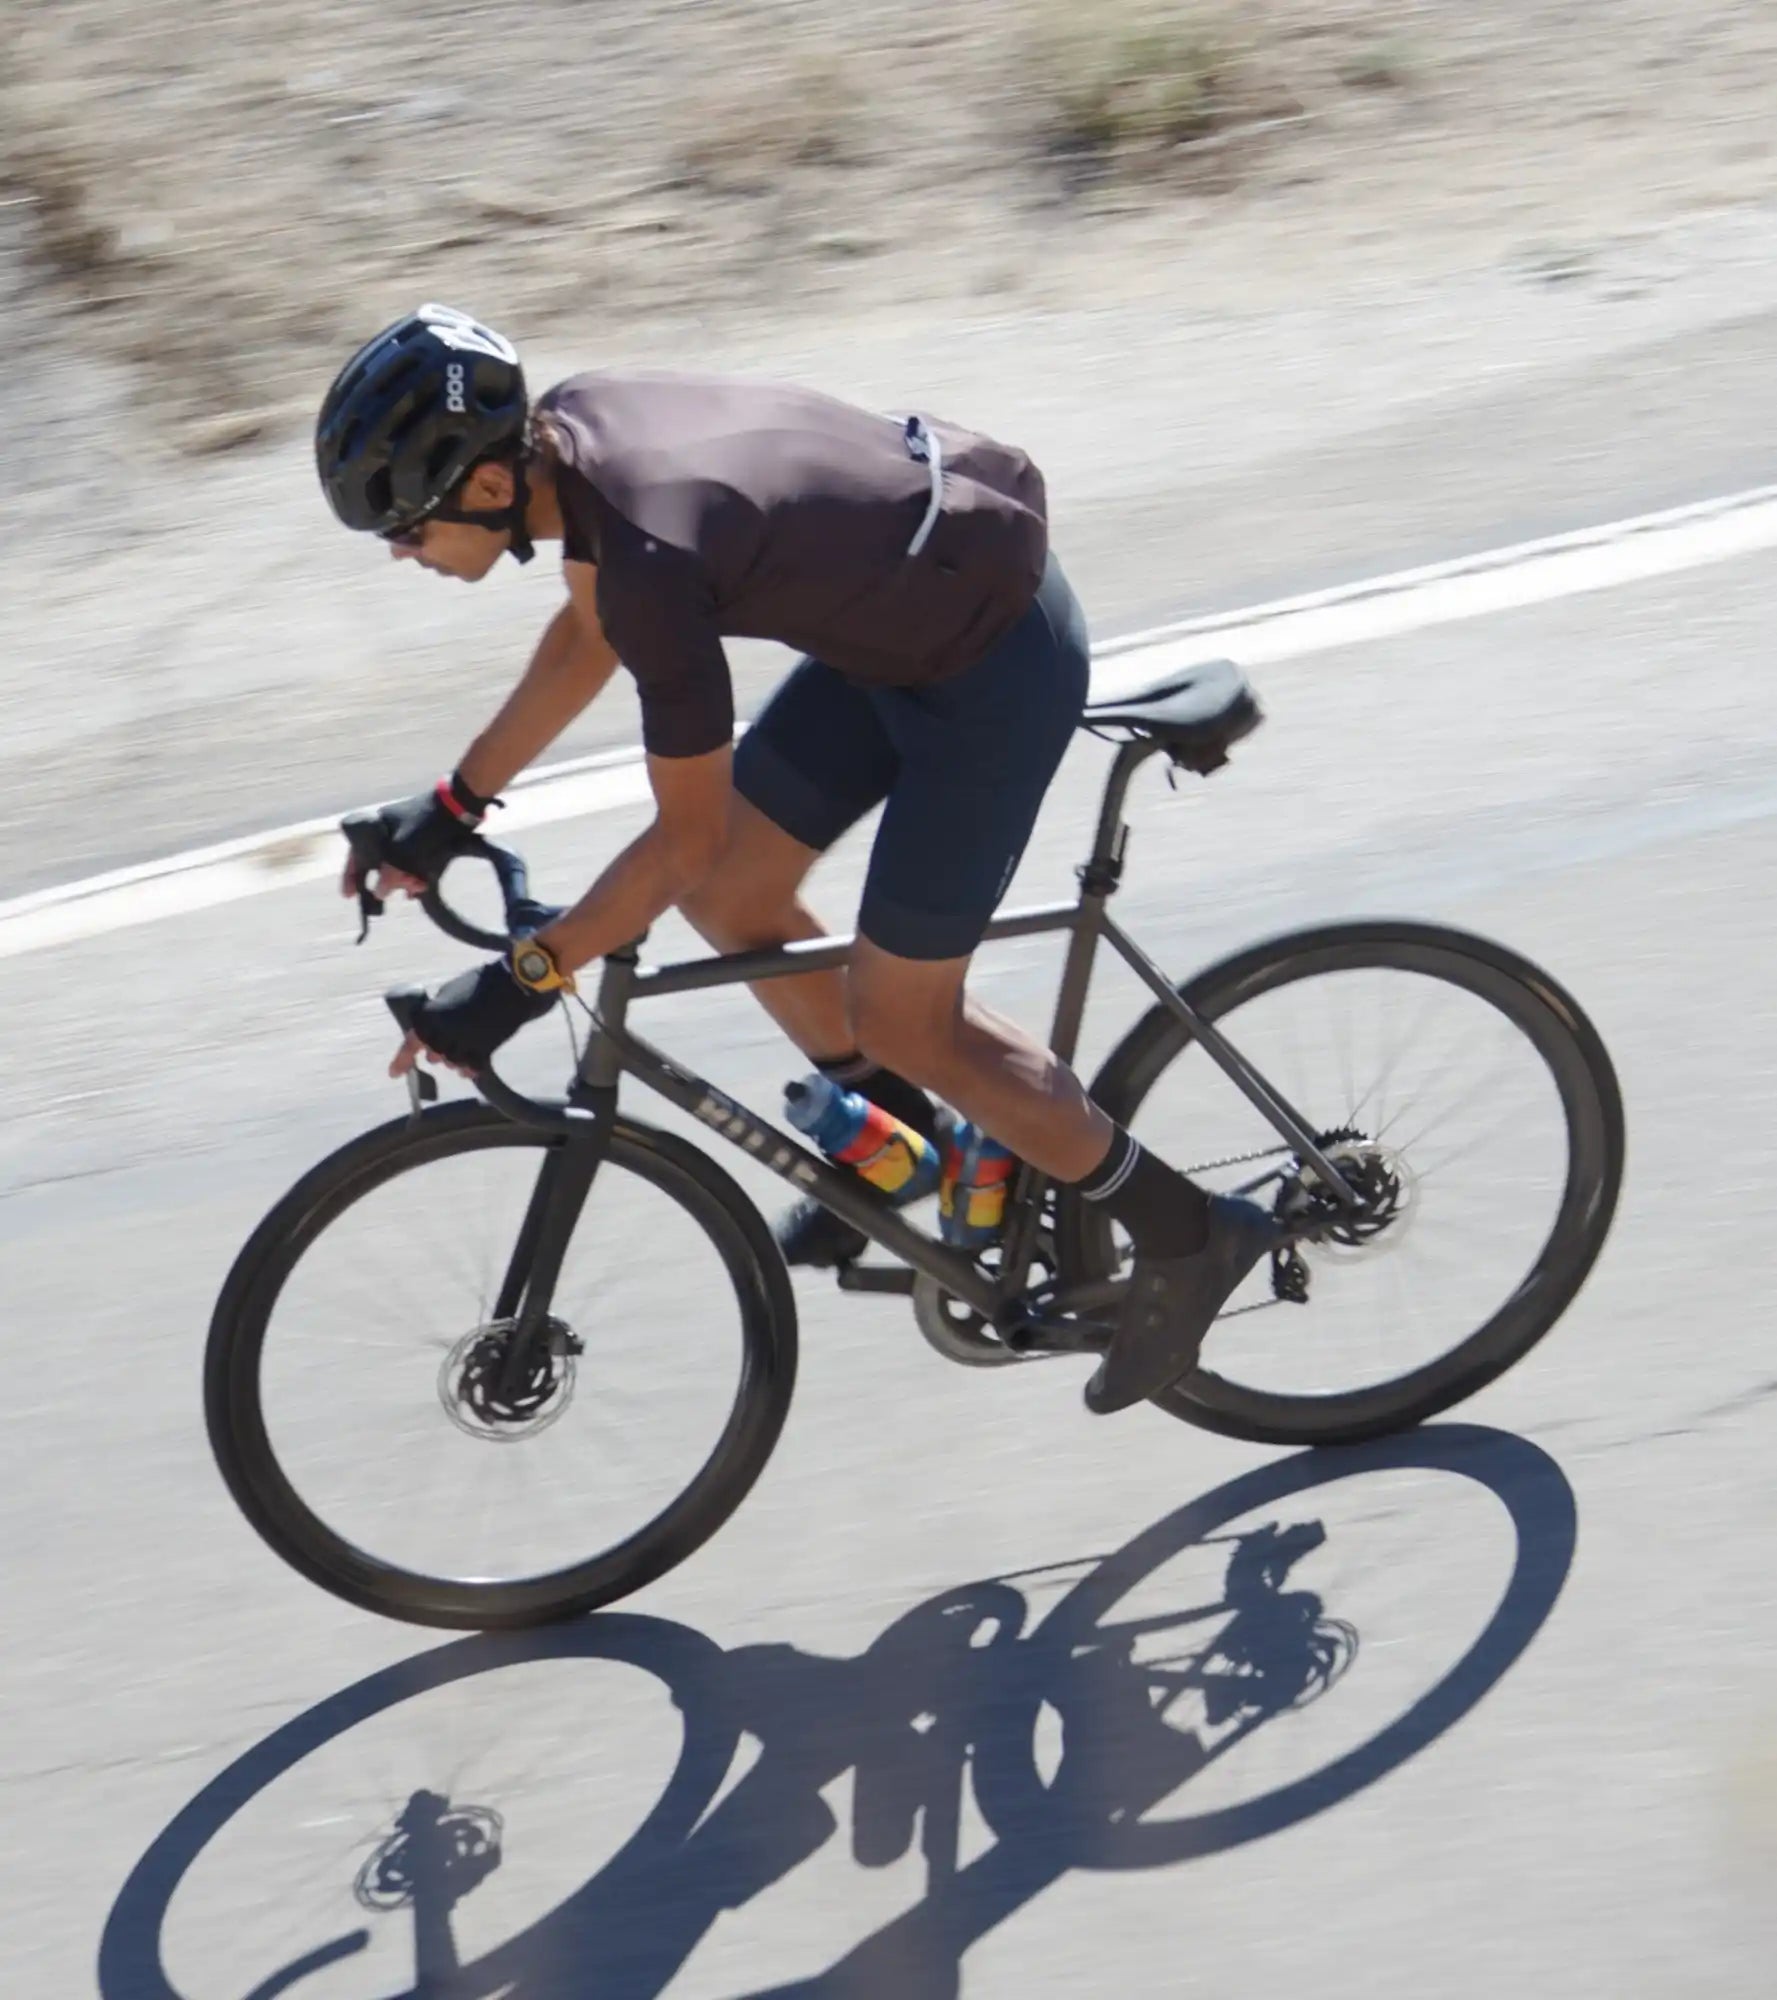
[1098,883]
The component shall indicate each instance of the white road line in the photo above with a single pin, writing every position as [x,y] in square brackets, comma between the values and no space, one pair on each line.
[1383,607]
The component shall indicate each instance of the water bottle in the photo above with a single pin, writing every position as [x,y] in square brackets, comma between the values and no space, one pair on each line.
[973,1187]
[858,1134]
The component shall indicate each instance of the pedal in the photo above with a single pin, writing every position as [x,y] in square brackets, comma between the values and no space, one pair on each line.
[891,1278]
[1062,1336]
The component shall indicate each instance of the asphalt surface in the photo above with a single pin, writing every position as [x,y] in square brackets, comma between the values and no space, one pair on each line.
[1544,1761]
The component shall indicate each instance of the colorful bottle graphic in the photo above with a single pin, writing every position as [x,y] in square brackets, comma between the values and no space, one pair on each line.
[974,1185]
[862,1136]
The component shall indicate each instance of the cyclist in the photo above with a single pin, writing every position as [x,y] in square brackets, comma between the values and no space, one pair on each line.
[945,670]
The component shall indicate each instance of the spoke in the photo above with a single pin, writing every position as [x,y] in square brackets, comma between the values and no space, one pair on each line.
[1437,1073]
[365,1280]
[1471,1093]
[1388,1042]
[1347,1068]
[1298,1068]
[1498,1127]
[1392,1061]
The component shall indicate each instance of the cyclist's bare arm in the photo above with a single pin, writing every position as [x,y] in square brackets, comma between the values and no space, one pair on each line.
[572,662]
[692,797]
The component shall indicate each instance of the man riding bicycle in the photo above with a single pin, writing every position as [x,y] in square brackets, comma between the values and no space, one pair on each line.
[945,669]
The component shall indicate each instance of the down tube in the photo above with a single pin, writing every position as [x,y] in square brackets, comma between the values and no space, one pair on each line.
[841,1191]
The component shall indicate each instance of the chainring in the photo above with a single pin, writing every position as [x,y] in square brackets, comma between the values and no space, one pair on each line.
[958,1331]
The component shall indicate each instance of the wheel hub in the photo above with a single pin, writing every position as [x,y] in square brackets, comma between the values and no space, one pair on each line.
[1386,1192]
[478,1399]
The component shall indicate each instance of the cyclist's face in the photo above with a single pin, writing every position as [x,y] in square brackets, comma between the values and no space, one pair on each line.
[459,548]
[452,548]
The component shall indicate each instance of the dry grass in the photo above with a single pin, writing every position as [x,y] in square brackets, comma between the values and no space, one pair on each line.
[1139,80]
[1381,62]
[746,138]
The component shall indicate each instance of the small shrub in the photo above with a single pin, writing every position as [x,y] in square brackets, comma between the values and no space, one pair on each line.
[1144,77]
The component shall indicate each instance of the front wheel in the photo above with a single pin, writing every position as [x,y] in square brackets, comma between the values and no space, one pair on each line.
[1465,1097]
[360,1417]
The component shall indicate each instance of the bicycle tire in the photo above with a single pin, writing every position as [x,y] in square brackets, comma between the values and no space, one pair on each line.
[1592,1102]
[242,1446]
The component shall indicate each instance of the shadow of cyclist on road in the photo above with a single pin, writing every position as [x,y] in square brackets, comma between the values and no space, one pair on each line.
[949,1703]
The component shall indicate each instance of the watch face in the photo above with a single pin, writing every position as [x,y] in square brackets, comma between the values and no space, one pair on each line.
[534,965]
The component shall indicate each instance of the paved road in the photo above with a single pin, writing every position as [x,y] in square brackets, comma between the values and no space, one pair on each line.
[1551,1767]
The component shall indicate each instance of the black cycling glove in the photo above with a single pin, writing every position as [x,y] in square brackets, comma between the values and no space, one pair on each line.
[471,1016]
[422,834]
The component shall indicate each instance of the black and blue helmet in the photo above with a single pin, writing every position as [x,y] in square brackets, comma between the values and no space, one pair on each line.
[411,413]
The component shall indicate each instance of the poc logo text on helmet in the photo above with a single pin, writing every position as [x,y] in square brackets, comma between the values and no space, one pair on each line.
[454,392]
[468,336]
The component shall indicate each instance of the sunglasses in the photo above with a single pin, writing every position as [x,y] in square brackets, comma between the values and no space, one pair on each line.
[408,536]
[411,533]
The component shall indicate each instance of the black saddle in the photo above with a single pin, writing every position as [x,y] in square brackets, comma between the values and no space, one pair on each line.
[1196,714]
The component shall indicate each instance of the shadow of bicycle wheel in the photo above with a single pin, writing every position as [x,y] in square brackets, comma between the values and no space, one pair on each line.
[949,1694]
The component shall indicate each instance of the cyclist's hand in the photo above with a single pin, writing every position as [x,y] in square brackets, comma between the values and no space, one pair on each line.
[384,881]
[469,1017]
[420,837]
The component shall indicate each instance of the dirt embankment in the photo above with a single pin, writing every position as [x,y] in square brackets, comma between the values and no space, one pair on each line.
[222,198]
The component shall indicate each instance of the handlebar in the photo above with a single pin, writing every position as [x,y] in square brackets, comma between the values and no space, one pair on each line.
[368,840]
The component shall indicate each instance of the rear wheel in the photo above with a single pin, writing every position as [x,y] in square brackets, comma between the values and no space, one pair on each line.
[1466,1098]
[357,1409]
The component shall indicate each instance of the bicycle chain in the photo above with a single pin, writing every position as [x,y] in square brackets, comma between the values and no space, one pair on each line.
[1237,1160]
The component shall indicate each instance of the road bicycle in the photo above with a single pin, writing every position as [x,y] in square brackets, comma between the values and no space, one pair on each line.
[500,1362]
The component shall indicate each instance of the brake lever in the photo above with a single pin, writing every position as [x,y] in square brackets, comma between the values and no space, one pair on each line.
[422,1085]
[363,834]
[370,905]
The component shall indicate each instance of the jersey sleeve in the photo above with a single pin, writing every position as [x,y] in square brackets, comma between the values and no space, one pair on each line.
[658,611]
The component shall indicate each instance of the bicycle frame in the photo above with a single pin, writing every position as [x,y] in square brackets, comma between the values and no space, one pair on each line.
[615,1051]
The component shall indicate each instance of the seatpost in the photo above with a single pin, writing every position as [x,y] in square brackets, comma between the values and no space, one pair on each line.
[1099,878]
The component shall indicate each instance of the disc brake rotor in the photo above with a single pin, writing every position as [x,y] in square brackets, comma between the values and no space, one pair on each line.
[1387,1192]
[476,1398]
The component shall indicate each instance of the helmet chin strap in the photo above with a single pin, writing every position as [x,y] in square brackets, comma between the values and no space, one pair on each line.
[502,520]
[522,547]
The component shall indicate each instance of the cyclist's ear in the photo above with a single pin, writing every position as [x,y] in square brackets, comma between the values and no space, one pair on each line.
[489,486]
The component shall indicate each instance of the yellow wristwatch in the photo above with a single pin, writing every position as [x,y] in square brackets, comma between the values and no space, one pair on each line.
[534,966]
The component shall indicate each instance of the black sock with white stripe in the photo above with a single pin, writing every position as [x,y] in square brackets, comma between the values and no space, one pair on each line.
[1165,1214]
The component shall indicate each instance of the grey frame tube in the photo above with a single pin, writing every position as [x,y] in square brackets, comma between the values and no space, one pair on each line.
[837,1187]
[1273,1107]
[739,968]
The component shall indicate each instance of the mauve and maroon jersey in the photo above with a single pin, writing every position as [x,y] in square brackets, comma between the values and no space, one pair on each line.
[898,550]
